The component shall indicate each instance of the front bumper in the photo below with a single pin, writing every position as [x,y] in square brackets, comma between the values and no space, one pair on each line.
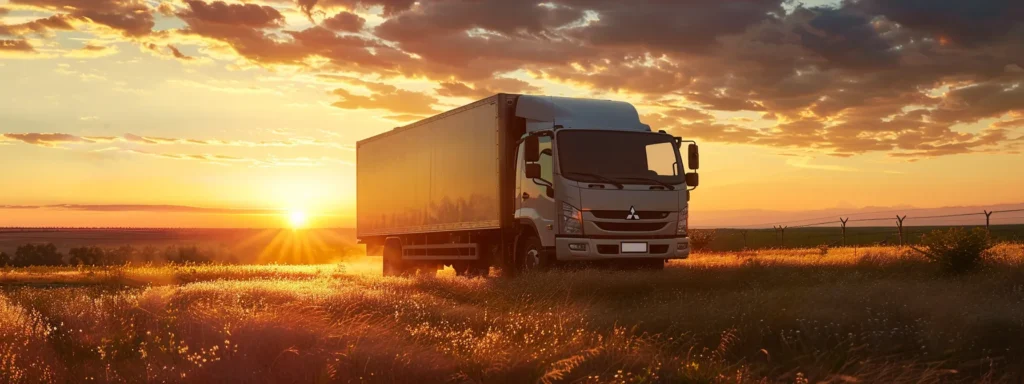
[604,248]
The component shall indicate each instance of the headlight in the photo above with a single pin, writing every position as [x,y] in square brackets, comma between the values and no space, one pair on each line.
[683,224]
[572,220]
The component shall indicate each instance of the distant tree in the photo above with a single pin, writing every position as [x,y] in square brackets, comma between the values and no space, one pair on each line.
[148,254]
[120,255]
[192,255]
[86,256]
[43,254]
[5,259]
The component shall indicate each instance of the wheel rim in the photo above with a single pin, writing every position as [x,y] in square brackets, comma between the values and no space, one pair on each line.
[532,258]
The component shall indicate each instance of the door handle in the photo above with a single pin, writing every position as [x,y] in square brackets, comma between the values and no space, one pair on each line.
[526,195]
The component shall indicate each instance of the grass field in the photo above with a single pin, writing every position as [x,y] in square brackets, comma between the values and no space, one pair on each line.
[795,316]
[729,240]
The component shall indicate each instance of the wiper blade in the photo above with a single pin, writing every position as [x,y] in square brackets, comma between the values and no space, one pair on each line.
[598,177]
[659,182]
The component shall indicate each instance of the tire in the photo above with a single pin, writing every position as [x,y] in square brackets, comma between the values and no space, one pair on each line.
[392,260]
[531,256]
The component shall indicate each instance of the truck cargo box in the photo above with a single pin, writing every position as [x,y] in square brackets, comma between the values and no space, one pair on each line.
[443,173]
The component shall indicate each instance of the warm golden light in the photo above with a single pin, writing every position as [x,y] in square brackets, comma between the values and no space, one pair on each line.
[297,219]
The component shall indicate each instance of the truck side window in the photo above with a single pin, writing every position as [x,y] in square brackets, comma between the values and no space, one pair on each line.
[546,163]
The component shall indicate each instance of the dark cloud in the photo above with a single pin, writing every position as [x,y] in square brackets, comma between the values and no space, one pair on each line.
[485,88]
[672,27]
[244,15]
[177,54]
[845,38]
[390,7]
[966,22]
[978,101]
[131,17]
[15,46]
[344,22]
[855,77]
[39,26]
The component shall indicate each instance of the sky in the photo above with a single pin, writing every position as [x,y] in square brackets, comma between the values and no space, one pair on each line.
[234,113]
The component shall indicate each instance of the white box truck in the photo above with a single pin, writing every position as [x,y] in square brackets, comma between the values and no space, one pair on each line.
[522,183]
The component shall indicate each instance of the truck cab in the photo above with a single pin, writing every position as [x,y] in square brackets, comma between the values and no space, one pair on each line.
[594,183]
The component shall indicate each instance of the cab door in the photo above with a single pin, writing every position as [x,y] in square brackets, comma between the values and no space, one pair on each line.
[535,198]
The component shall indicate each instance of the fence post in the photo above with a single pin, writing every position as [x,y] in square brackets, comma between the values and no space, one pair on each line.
[744,233]
[842,220]
[899,225]
[988,215]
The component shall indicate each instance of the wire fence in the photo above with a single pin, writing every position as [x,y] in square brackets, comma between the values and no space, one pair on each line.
[848,230]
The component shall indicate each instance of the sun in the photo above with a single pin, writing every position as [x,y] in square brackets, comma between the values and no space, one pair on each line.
[297,219]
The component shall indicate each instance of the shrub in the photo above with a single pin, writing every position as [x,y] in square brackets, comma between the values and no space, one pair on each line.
[956,250]
[86,256]
[42,254]
[701,238]
[5,260]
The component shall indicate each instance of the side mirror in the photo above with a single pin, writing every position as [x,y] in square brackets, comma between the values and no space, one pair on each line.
[692,179]
[532,171]
[693,157]
[531,152]
[549,191]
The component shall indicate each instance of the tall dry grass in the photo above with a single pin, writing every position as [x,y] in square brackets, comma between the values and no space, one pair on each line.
[846,315]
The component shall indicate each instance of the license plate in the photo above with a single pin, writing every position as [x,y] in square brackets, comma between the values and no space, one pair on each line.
[634,247]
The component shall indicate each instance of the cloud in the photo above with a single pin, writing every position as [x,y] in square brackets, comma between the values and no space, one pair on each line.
[144,208]
[903,77]
[484,88]
[178,55]
[388,98]
[51,140]
[16,46]
[43,26]
[93,51]
[129,17]
[344,22]
[245,15]
[219,159]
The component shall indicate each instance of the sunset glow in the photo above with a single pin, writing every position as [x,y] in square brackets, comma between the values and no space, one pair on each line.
[216,113]
[297,219]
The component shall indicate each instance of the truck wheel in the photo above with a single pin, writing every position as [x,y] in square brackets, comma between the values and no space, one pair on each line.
[531,257]
[393,260]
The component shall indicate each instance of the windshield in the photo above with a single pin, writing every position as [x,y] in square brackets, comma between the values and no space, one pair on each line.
[627,157]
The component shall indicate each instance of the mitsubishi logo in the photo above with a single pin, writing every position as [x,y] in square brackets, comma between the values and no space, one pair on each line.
[632,214]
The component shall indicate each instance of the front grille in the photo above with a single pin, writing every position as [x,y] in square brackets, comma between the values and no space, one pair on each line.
[630,227]
[620,215]
[612,249]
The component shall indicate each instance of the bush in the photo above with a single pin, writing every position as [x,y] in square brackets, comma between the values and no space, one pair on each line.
[5,260]
[701,238]
[956,250]
[32,255]
[86,256]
